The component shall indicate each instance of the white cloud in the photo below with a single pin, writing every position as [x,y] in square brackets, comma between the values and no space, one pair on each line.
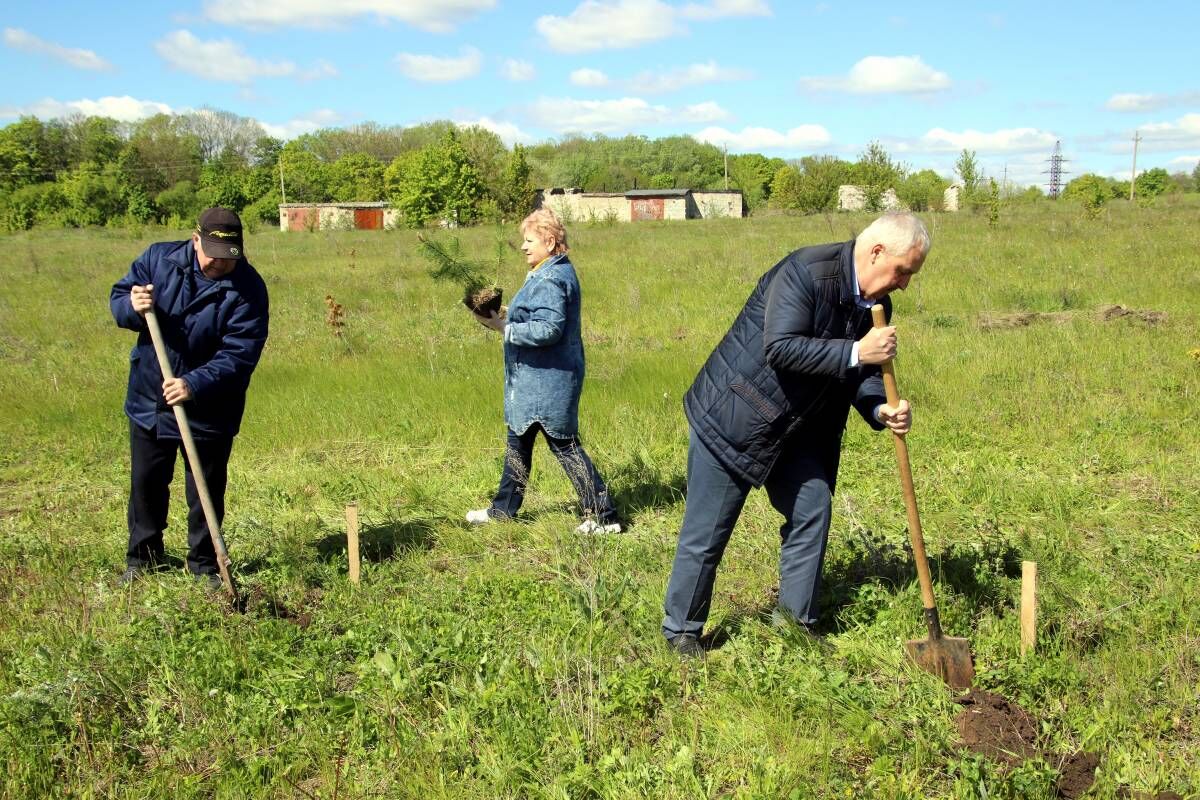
[598,25]
[435,69]
[704,112]
[509,133]
[23,40]
[589,77]
[516,70]
[682,77]
[319,70]
[613,24]
[756,139]
[1149,102]
[322,118]
[609,116]
[1185,162]
[218,60]
[1010,140]
[717,9]
[883,75]
[437,16]
[1182,134]
[1136,102]
[124,109]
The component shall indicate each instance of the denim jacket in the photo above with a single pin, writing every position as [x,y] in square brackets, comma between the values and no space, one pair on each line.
[543,351]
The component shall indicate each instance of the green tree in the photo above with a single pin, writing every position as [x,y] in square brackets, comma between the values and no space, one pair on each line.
[753,173]
[922,191]
[94,194]
[875,172]
[786,187]
[159,154]
[94,139]
[820,178]
[1152,183]
[967,169]
[517,192]
[356,177]
[179,202]
[305,176]
[436,182]
[1196,178]
[1092,191]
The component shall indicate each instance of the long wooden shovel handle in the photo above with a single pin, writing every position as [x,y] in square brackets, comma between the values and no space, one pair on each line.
[910,494]
[189,446]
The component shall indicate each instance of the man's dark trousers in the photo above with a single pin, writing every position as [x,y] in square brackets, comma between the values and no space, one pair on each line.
[153,465]
[800,486]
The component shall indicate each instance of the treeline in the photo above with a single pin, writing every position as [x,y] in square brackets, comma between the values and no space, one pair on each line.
[97,171]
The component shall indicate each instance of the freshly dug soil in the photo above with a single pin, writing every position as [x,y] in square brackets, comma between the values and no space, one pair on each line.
[991,725]
[485,301]
[1020,319]
[1077,774]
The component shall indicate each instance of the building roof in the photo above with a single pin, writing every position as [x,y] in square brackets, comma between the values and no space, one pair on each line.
[379,204]
[658,192]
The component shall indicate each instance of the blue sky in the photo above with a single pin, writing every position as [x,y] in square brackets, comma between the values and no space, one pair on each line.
[785,79]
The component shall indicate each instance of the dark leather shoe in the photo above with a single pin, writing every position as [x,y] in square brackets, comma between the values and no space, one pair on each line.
[686,645]
[209,580]
[133,573]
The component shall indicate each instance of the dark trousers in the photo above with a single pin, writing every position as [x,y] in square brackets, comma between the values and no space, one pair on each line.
[518,460]
[152,465]
[800,488]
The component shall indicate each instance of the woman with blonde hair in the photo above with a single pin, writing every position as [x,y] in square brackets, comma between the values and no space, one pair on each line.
[543,378]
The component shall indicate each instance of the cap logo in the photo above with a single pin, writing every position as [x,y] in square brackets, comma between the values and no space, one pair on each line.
[222,234]
[233,251]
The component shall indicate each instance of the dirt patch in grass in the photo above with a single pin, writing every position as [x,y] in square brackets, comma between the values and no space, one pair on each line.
[1021,319]
[998,728]
[1125,791]
[995,727]
[258,601]
[1076,774]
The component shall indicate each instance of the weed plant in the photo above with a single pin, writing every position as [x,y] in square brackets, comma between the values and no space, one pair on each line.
[519,660]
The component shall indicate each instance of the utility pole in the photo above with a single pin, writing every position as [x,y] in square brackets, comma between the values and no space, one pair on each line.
[282,191]
[727,166]
[1133,172]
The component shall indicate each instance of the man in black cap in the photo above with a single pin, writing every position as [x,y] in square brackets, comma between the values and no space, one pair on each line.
[213,310]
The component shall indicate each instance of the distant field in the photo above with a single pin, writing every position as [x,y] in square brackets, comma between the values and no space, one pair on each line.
[522,661]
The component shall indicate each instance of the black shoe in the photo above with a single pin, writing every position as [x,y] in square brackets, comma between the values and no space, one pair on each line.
[132,573]
[209,580]
[686,645]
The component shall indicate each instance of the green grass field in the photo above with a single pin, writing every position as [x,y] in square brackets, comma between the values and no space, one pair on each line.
[523,661]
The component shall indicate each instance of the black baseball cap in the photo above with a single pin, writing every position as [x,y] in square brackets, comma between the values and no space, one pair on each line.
[221,231]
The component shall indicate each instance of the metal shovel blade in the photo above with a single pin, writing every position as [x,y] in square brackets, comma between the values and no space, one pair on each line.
[948,657]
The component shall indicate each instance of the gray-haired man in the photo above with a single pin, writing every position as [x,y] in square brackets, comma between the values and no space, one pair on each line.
[770,405]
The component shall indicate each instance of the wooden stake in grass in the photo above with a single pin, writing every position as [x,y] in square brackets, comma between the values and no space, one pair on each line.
[352,541]
[1028,606]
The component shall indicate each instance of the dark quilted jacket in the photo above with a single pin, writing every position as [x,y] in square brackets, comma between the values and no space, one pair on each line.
[214,333]
[782,369]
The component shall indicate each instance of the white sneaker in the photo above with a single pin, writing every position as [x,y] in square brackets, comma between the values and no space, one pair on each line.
[479,517]
[590,526]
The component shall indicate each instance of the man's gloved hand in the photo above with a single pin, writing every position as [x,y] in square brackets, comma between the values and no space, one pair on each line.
[898,417]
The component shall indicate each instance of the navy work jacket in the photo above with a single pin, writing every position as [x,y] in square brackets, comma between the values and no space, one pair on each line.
[214,332]
[783,369]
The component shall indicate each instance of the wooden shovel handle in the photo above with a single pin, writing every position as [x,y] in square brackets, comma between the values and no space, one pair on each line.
[189,446]
[910,494]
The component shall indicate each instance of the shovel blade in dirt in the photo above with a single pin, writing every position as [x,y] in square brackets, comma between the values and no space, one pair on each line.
[948,657]
[945,656]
